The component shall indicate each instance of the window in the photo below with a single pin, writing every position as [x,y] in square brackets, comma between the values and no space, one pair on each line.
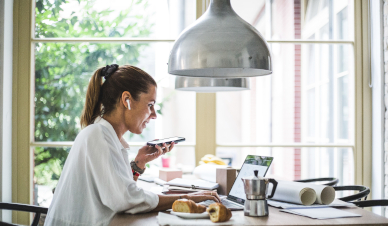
[302,114]
[139,33]
[278,112]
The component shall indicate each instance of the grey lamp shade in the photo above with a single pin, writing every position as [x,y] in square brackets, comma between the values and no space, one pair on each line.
[220,44]
[211,85]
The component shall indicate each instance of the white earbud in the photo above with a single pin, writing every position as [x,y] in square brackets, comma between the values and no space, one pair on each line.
[129,106]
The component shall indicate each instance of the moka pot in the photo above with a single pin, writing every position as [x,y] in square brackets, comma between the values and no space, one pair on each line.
[256,189]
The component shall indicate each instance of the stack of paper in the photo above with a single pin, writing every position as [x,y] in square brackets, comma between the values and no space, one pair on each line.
[321,213]
[316,211]
[194,184]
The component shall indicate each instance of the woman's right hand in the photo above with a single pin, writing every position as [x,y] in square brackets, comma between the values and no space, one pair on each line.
[148,153]
[203,196]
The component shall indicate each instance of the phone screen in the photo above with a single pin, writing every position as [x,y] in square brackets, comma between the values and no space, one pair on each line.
[166,140]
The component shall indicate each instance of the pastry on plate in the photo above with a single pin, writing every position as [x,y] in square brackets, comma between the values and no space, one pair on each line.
[187,206]
[218,212]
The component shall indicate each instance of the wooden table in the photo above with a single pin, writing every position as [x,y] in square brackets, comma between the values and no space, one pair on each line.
[275,217]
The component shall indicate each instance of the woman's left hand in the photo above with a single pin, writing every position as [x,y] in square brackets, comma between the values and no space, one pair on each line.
[149,153]
[204,195]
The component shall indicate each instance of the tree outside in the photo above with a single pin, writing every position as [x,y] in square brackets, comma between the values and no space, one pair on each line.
[63,70]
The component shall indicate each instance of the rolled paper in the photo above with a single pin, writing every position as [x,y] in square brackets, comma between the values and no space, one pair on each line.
[325,194]
[303,193]
[294,192]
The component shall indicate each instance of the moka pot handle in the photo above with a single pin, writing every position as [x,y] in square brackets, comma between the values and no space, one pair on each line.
[275,184]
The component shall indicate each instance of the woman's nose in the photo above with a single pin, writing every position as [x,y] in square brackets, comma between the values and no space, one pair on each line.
[153,114]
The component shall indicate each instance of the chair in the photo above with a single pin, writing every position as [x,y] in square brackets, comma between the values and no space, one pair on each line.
[371,203]
[363,192]
[25,208]
[331,181]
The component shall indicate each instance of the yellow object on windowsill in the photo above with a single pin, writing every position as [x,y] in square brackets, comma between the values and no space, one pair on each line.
[211,159]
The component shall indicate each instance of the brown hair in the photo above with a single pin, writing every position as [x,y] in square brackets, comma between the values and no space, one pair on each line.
[101,98]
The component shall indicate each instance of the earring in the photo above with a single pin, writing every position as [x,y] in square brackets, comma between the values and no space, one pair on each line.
[129,106]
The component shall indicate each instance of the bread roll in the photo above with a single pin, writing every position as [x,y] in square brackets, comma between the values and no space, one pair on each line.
[187,206]
[218,212]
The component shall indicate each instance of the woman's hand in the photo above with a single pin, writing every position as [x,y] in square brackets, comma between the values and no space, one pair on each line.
[203,196]
[166,201]
[149,153]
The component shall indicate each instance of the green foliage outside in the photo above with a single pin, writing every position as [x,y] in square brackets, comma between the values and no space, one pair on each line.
[63,70]
[258,160]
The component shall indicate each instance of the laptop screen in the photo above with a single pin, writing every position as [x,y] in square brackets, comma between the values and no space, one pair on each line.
[251,163]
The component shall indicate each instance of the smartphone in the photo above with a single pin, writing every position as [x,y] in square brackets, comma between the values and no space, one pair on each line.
[165,140]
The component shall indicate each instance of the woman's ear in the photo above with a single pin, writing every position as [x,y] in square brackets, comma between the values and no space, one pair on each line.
[126,100]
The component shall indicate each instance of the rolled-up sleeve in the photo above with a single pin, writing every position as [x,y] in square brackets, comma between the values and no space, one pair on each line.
[114,183]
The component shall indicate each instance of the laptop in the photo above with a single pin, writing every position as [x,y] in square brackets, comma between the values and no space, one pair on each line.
[236,198]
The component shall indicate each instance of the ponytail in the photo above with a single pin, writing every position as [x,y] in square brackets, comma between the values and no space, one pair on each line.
[92,108]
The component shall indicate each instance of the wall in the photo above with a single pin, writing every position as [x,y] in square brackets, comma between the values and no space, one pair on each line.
[385,7]
[6,30]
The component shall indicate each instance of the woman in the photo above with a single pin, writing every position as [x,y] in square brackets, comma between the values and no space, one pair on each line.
[97,180]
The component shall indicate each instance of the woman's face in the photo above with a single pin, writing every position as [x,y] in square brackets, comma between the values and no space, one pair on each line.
[142,111]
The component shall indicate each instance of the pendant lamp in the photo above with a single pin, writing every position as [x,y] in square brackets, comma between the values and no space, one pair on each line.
[220,44]
[211,85]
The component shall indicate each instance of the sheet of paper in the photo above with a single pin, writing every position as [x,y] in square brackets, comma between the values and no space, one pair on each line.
[321,213]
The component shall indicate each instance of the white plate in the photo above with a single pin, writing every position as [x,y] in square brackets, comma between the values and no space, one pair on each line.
[191,215]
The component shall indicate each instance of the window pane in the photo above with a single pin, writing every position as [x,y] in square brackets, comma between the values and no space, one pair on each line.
[289,106]
[311,67]
[311,112]
[119,18]
[62,73]
[281,19]
[343,24]
[48,165]
[342,21]
[309,162]
[343,107]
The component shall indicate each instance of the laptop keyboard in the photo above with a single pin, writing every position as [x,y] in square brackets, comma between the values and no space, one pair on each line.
[225,202]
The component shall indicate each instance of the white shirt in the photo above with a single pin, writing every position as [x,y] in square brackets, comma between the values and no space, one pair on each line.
[97,181]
